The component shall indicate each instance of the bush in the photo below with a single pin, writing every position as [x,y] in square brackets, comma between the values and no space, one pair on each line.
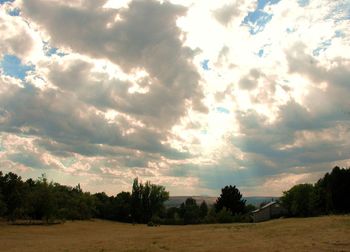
[243,218]
[224,216]
[151,224]
[211,217]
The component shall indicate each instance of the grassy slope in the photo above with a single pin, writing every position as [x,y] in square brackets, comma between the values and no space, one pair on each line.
[311,234]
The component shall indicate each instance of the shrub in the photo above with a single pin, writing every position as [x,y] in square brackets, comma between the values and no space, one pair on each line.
[224,216]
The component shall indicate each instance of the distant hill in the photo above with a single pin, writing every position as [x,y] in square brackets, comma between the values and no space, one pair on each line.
[256,201]
[175,201]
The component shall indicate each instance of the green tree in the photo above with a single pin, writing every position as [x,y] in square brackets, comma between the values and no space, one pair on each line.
[299,200]
[147,200]
[190,212]
[171,212]
[203,210]
[224,216]
[332,192]
[122,206]
[136,201]
[231,199]
[40,199]
[249,208]
[3,207]
[14,195]
[103,206]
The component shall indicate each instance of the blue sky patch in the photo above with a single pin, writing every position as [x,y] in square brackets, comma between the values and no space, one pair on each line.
[14,12]
[263,3]
[303,3]
[340,12]
[258,19]
[51,51]
[204,65]
[68,162]
[322,47]
[2,148]
[27,159]
[290,30]
[222,110]
[204,132]
[12,66]
[54,51]
[261,53]
[339,34]
[5,1]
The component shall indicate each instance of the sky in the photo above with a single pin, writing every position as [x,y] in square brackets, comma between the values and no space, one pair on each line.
[192,95]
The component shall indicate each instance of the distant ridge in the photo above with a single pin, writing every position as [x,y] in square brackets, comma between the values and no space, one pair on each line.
[175,201]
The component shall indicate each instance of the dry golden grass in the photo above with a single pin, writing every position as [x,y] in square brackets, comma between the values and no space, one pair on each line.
[331,233]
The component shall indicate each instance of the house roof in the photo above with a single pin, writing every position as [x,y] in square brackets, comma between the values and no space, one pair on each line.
[265,206]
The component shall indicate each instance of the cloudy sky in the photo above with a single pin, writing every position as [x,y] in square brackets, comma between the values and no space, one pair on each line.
[190,94]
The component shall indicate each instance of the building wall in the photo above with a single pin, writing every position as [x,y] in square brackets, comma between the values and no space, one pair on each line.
[269,212]
[262,215]
[277,211]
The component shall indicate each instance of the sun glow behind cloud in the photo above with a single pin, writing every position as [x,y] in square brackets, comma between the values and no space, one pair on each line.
[190,94]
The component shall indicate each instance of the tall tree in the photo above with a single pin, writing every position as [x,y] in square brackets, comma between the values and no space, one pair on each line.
[136,201]
[3,206]
[41,201]
[189,211]
[15,194]
[333,191]
[231,199]
[203,209]
[147,200]
[299,200]
[122,207]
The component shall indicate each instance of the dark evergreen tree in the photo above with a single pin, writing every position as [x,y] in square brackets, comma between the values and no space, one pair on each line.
[203,210]
[189,211]
[332,192]
[136,202]
[231,199]
[15,194]
[122,206]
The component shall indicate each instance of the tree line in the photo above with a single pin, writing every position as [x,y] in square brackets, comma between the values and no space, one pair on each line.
[329,195]
[48,201]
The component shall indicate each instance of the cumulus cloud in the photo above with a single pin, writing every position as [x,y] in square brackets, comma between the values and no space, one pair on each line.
[118,89]
[17,37]
[225,13]
[143,36]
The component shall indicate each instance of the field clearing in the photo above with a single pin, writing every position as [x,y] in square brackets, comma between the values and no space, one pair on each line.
[330,233]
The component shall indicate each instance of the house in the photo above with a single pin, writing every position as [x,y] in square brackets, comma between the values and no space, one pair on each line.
[269,211]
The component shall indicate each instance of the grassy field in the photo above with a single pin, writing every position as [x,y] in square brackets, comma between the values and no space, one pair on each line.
[331,233]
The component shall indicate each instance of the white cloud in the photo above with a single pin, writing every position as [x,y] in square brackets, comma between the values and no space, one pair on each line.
[178,92]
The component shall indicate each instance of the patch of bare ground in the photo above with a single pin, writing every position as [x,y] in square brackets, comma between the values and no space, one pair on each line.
[329,233]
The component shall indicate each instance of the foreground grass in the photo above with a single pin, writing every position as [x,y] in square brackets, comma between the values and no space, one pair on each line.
[330,233]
